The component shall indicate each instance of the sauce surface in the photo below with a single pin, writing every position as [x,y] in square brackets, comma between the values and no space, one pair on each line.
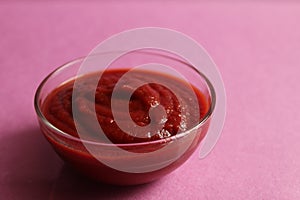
[180,114]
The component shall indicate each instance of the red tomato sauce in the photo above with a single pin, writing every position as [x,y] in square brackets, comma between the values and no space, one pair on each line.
[57,109]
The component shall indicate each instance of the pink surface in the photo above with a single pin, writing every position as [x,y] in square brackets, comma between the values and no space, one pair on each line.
[257,48]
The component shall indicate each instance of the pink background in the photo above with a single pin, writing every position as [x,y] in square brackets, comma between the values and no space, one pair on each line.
[256,46]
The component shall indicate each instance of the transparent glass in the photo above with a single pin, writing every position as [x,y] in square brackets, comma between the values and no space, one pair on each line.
[73,150]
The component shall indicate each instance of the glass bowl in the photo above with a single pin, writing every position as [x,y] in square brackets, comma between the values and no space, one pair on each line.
[74,151]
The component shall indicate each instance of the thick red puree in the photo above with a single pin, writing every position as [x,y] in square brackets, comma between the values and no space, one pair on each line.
[57,107]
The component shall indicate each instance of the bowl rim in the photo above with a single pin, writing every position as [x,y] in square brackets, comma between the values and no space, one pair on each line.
[44,120]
